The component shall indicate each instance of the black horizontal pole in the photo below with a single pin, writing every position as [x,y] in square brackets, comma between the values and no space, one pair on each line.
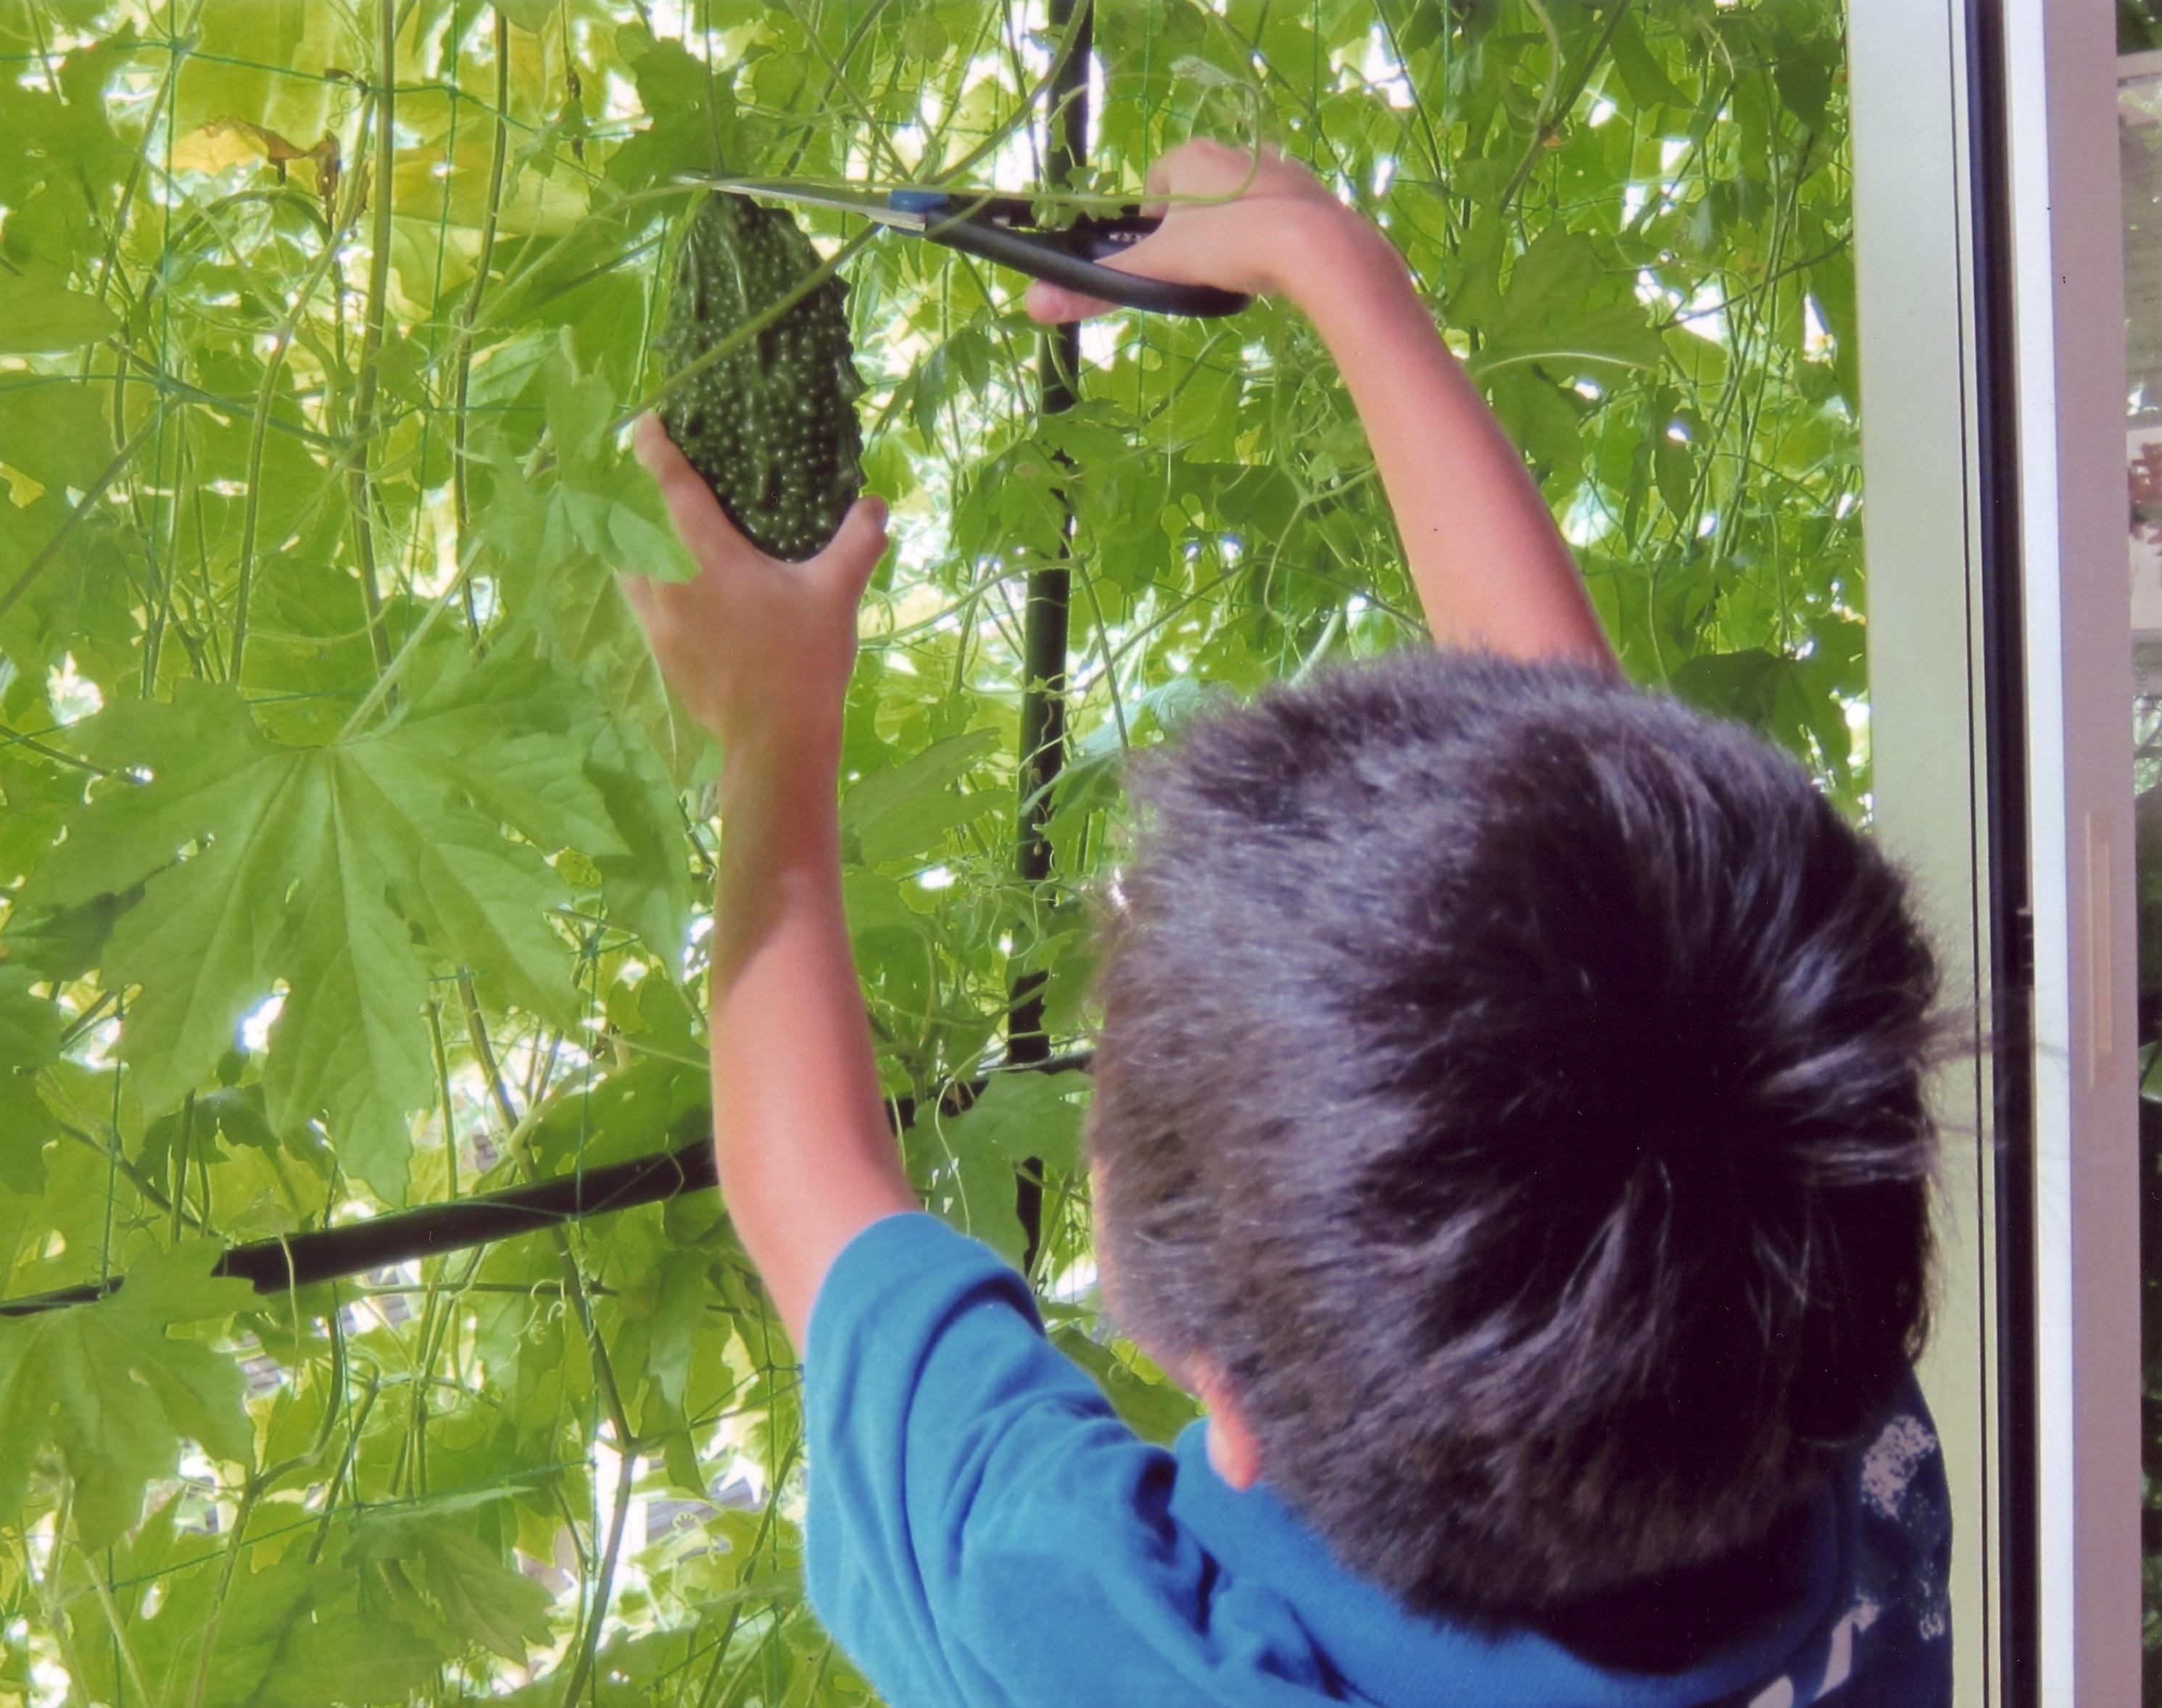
[356,1248]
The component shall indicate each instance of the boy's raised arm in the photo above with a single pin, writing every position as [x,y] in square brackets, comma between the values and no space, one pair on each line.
[760,652]
[1492,571]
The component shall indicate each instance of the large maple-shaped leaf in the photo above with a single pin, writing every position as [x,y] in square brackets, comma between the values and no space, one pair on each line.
[340,869]
[108,1387]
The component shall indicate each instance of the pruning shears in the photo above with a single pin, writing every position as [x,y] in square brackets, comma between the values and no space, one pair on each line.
[1002,228]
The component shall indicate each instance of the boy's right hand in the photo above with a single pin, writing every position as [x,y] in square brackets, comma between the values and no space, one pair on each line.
[1271,229]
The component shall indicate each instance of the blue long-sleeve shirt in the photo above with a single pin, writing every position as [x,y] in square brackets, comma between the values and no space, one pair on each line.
[983,1530]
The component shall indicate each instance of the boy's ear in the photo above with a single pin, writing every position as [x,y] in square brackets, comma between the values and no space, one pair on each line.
[1232,1449]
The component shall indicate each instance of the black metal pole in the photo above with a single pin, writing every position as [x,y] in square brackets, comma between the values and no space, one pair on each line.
[1050,593]
[358,1248]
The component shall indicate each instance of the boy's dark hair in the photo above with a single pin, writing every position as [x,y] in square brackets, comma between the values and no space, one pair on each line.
[1513,1082]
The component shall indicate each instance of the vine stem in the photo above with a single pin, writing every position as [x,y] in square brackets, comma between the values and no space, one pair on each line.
[371,337]
[48,1584]
[61,756]
[250,1494]
[574,1283]
[461,497]
[111,1609]
[258,429]
[180,1170]
[836,65]
[605,1585]
[141,1182]
[760,1538]
[1550,126]
[434,1316]
[346,1461]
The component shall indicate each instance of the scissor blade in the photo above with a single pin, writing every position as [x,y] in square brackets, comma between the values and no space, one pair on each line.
[875,207]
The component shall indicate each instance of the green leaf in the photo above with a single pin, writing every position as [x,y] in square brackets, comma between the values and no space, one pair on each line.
[26,1125]
[1022,1114]
[114,1394]
[679,1308]
[30,1024]
[1156,1407]
[533,15]
[331,869]
[1550,315]
[504,732]
[1674,470]
[65,943]
[200,943]
[985,1189]
[373,1658]
[691,113]
[647,887]
[256,1614]
[1804,72]
[906,808]
[1641,74]
[236,1115]
[481,1599]
[56,432]
[37,314]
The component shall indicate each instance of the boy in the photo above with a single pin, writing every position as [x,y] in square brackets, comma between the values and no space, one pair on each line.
[1508,1121]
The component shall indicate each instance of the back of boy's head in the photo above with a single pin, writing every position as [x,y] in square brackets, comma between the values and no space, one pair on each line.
[1513,1083]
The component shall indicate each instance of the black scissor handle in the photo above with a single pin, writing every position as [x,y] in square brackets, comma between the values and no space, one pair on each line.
[1071,258]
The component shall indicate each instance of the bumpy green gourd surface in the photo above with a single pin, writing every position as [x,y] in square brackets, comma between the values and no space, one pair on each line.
[772,425]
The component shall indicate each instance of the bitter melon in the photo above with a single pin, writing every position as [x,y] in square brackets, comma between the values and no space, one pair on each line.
[772,425]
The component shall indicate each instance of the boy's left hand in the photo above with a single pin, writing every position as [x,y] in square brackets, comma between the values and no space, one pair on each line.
[759,650]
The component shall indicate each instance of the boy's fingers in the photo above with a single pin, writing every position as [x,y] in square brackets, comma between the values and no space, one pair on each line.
[653,447]
[1205,167]
[671,470]
[1053,303]
[700,521]
[853,552]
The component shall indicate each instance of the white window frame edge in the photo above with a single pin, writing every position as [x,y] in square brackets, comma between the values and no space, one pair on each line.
[1911,78]
[2067,268]
[1922,534]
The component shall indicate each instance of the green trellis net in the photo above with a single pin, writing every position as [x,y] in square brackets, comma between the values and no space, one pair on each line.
[353,857]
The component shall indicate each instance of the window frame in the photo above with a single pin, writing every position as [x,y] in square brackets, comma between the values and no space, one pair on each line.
[1990,302]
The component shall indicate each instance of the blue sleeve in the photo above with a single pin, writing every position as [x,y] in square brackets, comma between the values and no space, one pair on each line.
[983,1529]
